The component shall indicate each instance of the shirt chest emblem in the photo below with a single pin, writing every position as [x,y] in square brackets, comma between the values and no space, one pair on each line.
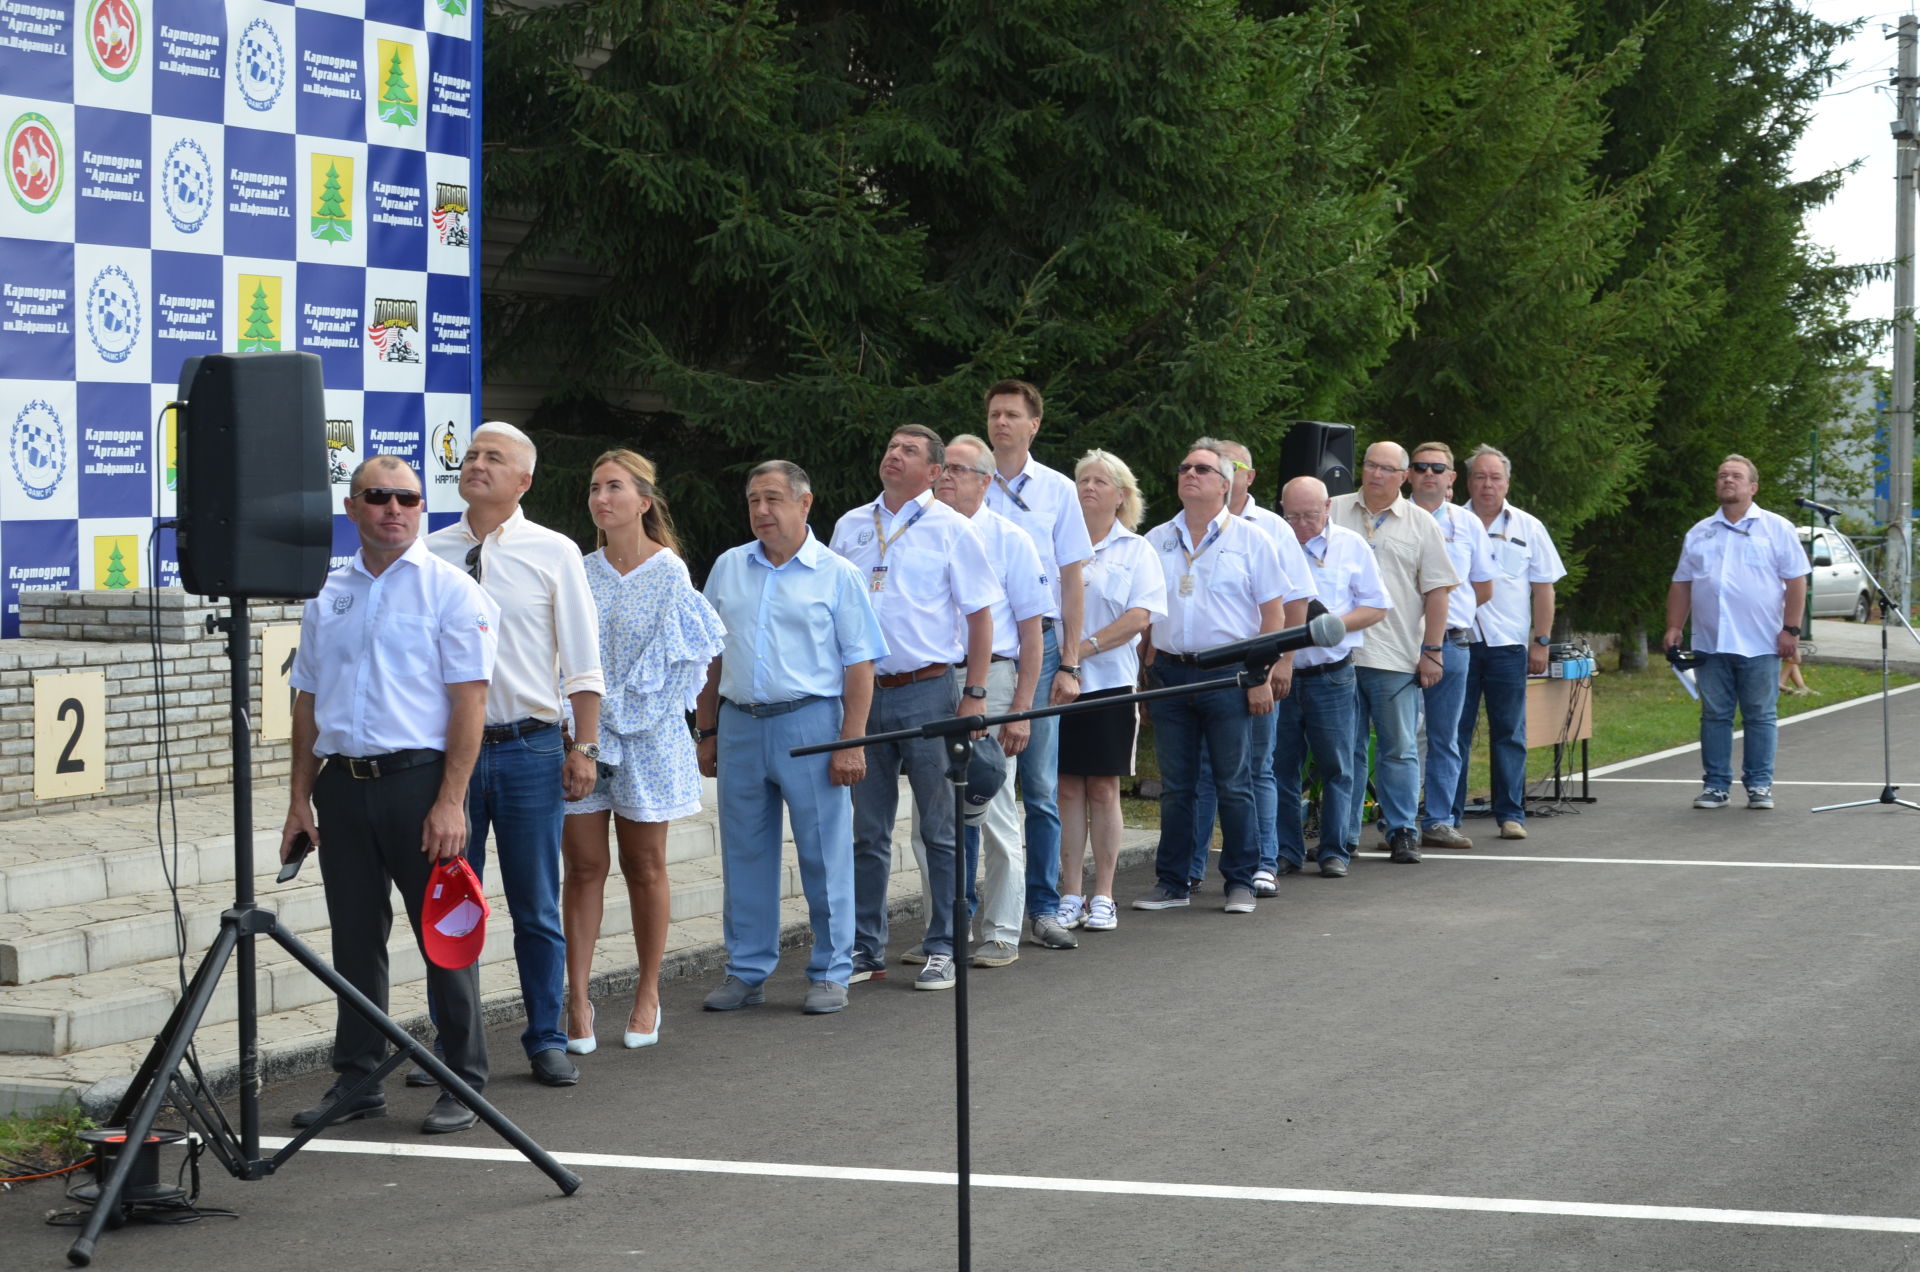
[342,603]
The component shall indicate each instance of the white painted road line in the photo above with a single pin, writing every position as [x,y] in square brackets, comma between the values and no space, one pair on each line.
[1437,855]
[1815,714]
[1694,781]
[1140,1188]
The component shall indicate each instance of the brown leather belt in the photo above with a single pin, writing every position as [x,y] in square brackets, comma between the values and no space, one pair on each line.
[899,678]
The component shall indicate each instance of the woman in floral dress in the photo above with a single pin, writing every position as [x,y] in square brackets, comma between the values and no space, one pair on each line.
[657,637]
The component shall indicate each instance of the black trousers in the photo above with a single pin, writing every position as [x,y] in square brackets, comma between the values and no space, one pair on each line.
[370,843]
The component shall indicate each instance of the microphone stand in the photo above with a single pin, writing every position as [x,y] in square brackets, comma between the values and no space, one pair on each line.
[1888,609]
[955,734]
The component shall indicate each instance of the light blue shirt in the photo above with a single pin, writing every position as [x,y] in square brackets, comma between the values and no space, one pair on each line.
[792,629]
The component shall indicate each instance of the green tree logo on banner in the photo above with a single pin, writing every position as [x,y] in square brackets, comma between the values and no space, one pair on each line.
[117,570]
[397,105]
[330,222]
[259,336]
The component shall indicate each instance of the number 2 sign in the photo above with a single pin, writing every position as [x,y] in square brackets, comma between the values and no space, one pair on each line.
[69,735]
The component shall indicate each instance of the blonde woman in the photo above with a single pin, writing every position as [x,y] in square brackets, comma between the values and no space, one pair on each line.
[657,637]
[1125,592]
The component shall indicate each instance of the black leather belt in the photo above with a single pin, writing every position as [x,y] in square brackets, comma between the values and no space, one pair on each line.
[1179,660]
[1321,669]
[1459,635]
[1000,658]
[518,729]
[367,767]
[762,709]
[1046,624]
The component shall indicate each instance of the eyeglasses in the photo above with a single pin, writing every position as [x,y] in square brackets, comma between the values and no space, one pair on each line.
[1303,518]
[1429,466]
[961,470]
[1204,470]
[379,495]
[1387,469]
[473,562]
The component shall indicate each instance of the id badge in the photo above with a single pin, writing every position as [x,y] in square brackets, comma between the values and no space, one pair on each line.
[1186,585]
[877,581]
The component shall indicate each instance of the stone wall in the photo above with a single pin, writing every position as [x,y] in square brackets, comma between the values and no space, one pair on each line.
[70,631]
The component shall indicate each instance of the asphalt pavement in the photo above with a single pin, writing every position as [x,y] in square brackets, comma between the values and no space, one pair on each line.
[1644,1038]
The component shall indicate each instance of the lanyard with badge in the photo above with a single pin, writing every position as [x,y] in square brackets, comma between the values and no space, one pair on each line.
[877,582]
[1186,580]
[1013,494]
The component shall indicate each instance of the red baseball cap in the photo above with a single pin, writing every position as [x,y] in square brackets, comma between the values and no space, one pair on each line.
[453,916]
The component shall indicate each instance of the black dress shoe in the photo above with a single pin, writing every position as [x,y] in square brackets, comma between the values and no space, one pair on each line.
[419,1077]
[369,1104]
[552,1068]
[448,1116]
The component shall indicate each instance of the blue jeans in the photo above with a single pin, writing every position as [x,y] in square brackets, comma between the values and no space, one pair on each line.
[1317,717]
[1388,701]
[1220,717]
[757,776]
[1206,798]
[516,790]
[1039,768]
[1753,684]
[876,799]
[1444,754]
[1499,673]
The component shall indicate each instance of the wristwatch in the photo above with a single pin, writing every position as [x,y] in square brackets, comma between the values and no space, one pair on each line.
[1790,630]
[589,749]
[701,735]
[1432,649]
[975,691]
[1543,640]
[1070,671]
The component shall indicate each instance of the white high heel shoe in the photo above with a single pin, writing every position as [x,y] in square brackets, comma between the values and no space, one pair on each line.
[584,1046]
[632,1040]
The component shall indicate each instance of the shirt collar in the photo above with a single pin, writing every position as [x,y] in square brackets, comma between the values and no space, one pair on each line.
[811,550]
[415,553]
[923,499]
[1722,517]
[513,522]
[1218,523]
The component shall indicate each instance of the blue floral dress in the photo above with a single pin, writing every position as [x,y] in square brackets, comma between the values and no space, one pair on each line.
[657,637]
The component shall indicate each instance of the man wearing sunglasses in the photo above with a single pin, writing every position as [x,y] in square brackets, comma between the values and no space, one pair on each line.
[1224,583]
[549,646]
[1405,652]
[403,633]
[1471,553]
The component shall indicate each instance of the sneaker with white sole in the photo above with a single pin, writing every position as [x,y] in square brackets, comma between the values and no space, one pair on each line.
[1102,916]
[1265,884]
[995,954]
[1442,835]
[1160,897]
[1073,912]
[1050,932]
[1239,901]
[937,974]
[917,955]
[1711,797]
[1759,797]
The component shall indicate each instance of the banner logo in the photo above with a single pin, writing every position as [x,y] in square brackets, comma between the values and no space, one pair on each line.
[114,37]
[452,8]
[38,449]
[399,95]
[339,443]
[186,185]
[450,214]
[395,332]
[173,448]
[444,449]
[259,65]
[36,162]
[331,216]
[260,297]
[113,314]
[116,561]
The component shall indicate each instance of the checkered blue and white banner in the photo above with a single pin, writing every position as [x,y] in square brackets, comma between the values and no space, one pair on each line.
[190,176]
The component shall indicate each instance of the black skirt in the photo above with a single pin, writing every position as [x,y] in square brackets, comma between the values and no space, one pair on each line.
[1100,742]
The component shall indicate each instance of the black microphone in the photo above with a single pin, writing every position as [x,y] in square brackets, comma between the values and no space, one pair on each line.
[1822,509]
[1322,629]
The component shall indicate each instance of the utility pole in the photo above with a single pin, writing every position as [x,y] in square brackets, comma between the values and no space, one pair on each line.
[1898,568]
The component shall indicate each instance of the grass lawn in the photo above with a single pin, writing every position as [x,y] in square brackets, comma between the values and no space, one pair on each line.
[46,1142]
[1634,713]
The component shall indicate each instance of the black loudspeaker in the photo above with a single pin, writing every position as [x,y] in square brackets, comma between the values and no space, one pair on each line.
[1314,449]
[254,518]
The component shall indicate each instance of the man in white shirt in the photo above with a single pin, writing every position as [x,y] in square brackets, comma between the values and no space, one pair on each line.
[994,847]
[1743,577]
[1512,632]
[1224,583]
[1471,553]
[1404,653]
[390,685]
[924,568]
[1316,714]
[549,645]
[1044,503]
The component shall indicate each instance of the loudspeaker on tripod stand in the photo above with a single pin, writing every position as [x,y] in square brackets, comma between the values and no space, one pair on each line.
[255,515]
[1316,449]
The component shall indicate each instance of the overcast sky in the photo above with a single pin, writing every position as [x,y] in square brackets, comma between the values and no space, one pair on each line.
[1851,124]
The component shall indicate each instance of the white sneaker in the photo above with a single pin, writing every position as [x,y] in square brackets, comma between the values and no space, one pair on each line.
[1072,912]
[1102,915]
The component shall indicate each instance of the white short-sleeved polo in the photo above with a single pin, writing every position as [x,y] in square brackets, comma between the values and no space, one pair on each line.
[1124,574]
[1275,527]
[1345,576]
[935,574]
[1023,583]
[1523,554]
[1046,504]
[1739,573]
[1215,589]
[1471,552]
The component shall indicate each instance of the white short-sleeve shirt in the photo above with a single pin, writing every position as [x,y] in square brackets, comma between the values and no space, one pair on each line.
[1345,575]
[1214,590]
[1045,503]
[1471,552]
[1124,574]
[1523,554]
[1023,583]
[1276,528]
[1739,572]
[926,570]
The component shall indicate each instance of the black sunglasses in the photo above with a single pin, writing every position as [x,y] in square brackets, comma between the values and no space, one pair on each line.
[1428,466]
[1204,469]
[378,495]
[473,562]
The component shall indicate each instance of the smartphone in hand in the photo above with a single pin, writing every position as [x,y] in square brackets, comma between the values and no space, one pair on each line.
[302,845]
